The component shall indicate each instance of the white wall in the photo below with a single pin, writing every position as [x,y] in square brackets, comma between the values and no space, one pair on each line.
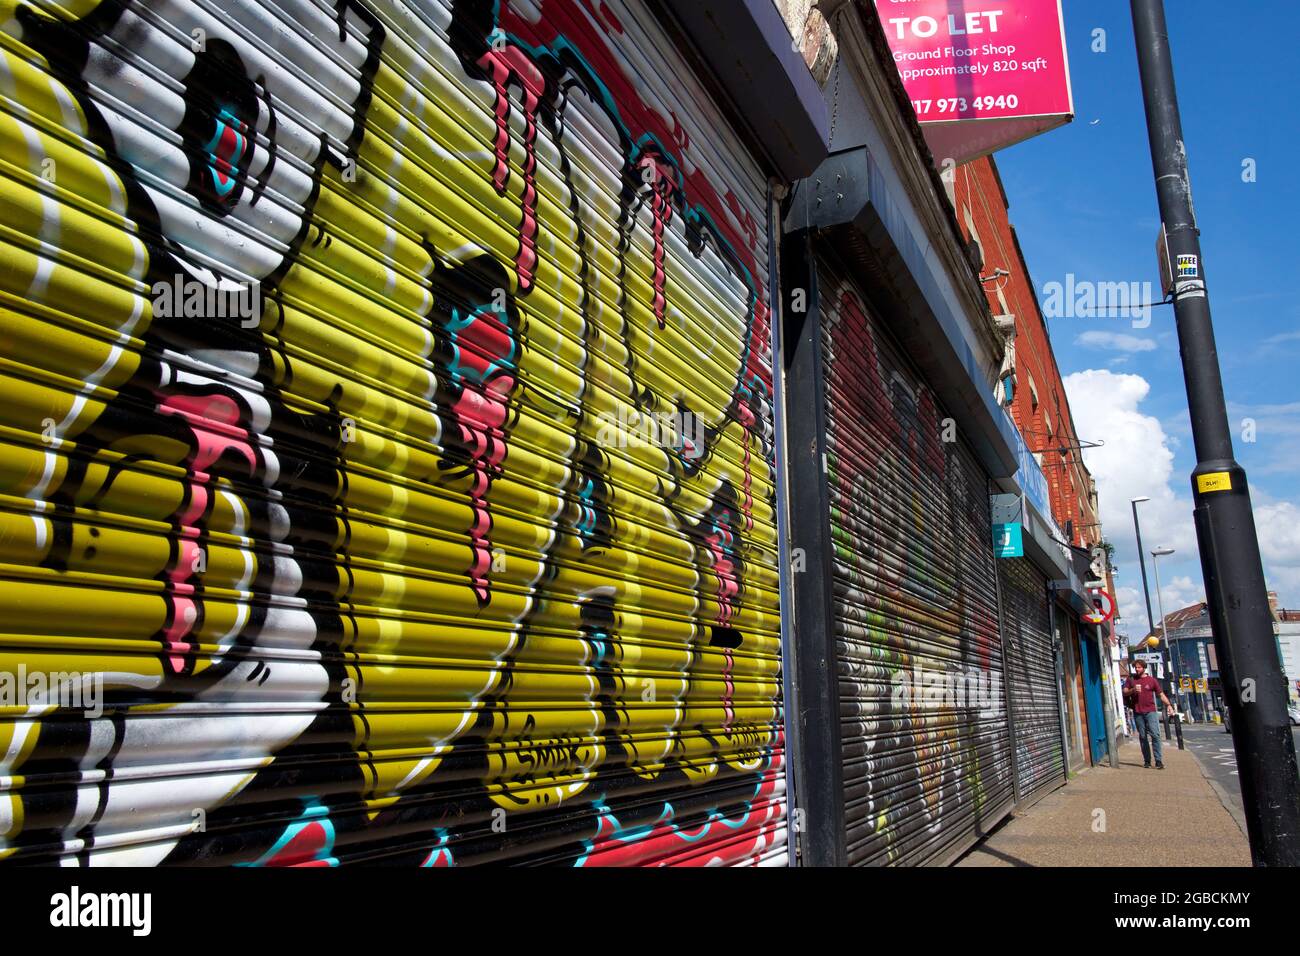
[1288,639]
[1117,692]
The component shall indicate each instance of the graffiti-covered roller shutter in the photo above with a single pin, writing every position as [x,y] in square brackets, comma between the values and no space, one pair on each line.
[1031,673]
[386,432]
[925,736]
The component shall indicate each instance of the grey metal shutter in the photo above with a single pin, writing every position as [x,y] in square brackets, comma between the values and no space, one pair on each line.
[914,601]
[441,530]
[1031,676]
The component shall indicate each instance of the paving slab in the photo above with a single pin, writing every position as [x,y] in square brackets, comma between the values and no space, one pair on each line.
[1128,816]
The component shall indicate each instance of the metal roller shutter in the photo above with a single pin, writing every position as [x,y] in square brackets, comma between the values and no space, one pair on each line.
[1031,676]
[387,431]
[926,753]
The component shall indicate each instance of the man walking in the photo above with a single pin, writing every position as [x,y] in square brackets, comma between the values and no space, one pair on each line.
[1140,693]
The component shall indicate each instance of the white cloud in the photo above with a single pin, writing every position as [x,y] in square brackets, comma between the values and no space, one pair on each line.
[1136,460]
[1180,592]
[1115,342]
[1278,527]
[1284,337]
[1132,612]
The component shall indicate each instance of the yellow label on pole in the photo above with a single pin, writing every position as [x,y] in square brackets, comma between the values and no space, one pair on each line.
[1214,481]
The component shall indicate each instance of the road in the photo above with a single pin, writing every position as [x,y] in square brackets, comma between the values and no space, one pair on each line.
[1212,745]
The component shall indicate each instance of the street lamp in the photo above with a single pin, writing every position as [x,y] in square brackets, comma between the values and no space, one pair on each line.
[1146,591]
[1156,555]
[1137,530]
[1164,632]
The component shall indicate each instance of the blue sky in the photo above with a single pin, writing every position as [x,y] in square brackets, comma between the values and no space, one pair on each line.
[1083,202]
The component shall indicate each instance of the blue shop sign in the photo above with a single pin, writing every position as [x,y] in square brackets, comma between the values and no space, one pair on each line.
[1009,540]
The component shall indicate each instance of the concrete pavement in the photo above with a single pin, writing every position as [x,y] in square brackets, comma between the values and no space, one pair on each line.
[1213,748]
[1124,817]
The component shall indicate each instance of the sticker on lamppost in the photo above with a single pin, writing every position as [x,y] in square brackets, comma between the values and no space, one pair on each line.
[1103,606]
[1009,540]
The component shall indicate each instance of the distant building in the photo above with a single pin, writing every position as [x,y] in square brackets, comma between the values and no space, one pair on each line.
[1192,652]
[1287,628]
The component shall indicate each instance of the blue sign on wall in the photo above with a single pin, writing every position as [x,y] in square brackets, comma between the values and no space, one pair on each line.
[1031,479]
[1009,540]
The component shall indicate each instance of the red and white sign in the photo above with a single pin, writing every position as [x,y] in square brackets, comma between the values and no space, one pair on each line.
[981,74]
[1103,606]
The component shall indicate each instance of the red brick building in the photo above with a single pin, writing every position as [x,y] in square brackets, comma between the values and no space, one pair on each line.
[1030,376]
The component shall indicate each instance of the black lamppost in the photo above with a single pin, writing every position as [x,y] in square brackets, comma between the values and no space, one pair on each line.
[1253,683]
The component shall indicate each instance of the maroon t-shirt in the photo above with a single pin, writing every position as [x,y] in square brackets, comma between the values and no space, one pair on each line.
[1148,688]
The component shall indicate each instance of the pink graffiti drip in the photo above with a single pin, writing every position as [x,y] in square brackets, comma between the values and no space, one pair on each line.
[661,206]
[198,412]
[479,533]
[747,487]
[729,690]
[439,858]
[228,149]
[606,15]
[306,848]
[762,333]
[646,119]
[484,349]
[507,64]
[198,503]
[202,411]
[870,390]
[488,450]
[184,614]
[741,215]
[720,544]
